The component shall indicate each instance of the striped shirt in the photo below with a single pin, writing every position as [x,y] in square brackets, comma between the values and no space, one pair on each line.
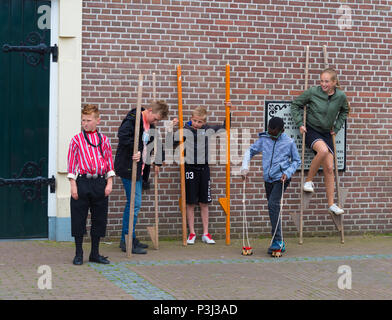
[84,158]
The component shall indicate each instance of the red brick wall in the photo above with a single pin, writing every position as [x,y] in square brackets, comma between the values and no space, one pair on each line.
[264,42]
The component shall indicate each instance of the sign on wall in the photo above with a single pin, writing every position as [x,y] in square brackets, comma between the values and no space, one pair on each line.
[282,109]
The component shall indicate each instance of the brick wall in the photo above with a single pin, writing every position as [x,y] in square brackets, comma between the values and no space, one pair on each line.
[264,42]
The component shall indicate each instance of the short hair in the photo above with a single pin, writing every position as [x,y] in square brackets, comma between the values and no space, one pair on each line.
[90,109]
[276,123]
[160,107]
[200,112]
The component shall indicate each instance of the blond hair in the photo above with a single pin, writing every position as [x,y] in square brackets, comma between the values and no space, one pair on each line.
[200,112]
[160,107]
[334,77]
[90,109]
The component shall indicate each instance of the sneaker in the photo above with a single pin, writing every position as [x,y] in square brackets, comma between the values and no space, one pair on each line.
[309,186]
[207,238]
[191,238]
[335,210]
[277,245]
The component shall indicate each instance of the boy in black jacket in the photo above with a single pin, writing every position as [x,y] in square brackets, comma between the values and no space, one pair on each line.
[158,110]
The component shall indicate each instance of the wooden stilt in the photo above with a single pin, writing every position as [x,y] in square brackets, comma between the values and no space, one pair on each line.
[338,220]
[134,167]
[303,154]
[153,231]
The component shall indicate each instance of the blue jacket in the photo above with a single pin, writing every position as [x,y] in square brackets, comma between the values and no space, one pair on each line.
[279,156]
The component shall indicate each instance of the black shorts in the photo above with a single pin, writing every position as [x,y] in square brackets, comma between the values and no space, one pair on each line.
[197,183]
[91,197]
[312,136]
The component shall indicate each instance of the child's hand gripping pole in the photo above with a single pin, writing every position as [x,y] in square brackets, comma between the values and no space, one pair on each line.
[225,202]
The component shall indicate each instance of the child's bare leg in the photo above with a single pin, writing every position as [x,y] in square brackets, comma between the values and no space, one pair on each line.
[190,213]
[329,178]
[322,151]
[204,216]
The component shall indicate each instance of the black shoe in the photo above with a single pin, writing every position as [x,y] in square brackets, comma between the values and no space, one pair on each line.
[78,260]
[123,246]
[99,259]
[139,244]
[138,250]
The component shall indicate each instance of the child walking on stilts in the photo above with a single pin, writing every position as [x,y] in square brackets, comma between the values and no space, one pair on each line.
[280,161]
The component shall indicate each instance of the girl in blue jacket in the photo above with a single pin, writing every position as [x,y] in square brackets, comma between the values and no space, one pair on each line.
[280,161]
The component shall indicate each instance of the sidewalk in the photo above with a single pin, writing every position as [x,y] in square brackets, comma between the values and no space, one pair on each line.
[202,272]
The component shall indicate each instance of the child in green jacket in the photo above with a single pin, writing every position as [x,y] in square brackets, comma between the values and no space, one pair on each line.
[327,109]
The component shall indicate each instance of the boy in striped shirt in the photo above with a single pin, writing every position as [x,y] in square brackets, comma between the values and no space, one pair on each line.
[90,172]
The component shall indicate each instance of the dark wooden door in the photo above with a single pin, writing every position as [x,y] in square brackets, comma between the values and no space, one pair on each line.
[24,100]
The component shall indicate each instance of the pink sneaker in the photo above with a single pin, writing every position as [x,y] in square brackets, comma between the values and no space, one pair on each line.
[191,238]
[207,238]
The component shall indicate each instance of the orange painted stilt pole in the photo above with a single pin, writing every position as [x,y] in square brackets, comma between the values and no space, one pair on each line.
[182,158]
[225,202]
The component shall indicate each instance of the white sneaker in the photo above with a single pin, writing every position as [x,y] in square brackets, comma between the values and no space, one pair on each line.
[309,186]
[191,238]
[335,210]
[207,238]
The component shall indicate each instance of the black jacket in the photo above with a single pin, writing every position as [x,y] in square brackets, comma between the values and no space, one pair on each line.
[126,137]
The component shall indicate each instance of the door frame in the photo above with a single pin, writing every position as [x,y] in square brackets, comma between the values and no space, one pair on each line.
[53,106]
[64,109]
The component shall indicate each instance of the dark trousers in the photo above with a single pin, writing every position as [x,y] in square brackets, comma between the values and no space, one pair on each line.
[91,193]
[274,195]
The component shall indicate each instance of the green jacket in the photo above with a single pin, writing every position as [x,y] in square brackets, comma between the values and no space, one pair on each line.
[321,114]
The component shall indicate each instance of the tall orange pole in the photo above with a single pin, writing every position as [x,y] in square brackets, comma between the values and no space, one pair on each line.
[225,202]
[182,158]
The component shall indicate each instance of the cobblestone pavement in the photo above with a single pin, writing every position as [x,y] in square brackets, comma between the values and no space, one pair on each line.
[201,272]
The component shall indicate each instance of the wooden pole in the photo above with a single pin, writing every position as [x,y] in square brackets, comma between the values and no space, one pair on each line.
[153,231]
[337,187]
[182,158]
[134,167]
[303,152]
[326,65]
[155,173]
[338,220]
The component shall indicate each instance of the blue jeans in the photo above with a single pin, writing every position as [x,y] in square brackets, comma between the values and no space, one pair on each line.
[138,202]
[274,195]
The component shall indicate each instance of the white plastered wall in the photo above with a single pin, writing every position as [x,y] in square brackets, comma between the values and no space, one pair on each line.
[65,97]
